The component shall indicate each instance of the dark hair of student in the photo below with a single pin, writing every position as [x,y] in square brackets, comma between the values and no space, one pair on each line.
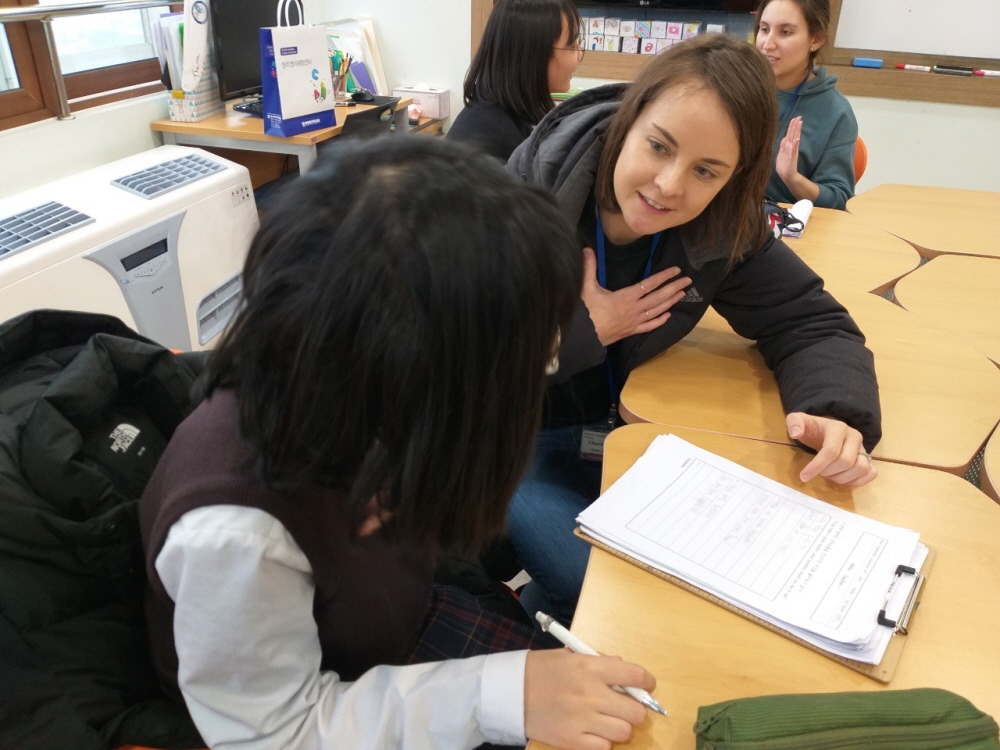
[740,76]
[511,66]
[817,15]
[401,302]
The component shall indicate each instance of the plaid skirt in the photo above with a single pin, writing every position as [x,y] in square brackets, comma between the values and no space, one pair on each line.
[458,626]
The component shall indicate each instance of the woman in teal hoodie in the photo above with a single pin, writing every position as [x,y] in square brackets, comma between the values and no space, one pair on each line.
[814,146]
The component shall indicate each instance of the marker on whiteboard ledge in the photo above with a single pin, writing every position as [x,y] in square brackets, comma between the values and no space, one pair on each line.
[867,62]
[986,73]
[918,68]
[953,70]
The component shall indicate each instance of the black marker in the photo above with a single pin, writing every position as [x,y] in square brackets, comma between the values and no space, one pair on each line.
[952,70]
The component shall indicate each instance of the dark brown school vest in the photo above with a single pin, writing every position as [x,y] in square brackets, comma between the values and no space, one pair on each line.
[371,597]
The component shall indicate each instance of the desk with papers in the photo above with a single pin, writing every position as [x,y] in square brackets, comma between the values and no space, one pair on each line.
[701,653]
[233,130]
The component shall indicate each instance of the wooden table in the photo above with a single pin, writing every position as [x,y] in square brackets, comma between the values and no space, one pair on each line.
[960,295]
[940,398]
[702,654]
[934,220]
[851,255]
[236,130]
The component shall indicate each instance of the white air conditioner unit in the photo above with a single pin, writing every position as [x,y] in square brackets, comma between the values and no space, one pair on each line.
[157,239]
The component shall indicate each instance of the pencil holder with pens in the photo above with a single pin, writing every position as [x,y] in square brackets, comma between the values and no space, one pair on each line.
[339,87]
[339,67]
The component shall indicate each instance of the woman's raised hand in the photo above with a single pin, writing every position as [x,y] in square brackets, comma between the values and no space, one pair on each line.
[787,163]
[639,308]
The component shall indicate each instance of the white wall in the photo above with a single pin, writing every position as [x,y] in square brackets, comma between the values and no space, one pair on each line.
[428,41]
[34,154]
[927,143]
[420,41]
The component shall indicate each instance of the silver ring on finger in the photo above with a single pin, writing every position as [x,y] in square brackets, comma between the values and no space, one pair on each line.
[866,455]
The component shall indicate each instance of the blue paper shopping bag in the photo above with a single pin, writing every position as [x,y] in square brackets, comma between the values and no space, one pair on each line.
[296,80]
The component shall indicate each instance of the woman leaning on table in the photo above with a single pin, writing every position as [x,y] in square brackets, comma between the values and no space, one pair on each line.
[814,146]
[529,50]
[665,178]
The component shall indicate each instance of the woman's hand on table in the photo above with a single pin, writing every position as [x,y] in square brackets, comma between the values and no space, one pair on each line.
[840,451]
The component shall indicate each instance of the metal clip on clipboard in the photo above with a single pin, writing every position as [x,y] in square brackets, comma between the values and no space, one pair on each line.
[901,623]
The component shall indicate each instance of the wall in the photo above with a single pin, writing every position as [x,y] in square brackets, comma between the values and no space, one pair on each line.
[420,41]
[970,28]
[41,152]
[428,41]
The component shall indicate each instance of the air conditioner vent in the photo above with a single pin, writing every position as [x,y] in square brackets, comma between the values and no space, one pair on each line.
[170,175]
[34,225]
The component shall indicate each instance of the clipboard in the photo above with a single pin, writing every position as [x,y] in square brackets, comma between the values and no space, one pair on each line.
[882,672]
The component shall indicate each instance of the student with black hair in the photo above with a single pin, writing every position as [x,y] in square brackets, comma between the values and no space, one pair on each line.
[373,403]
[529,50]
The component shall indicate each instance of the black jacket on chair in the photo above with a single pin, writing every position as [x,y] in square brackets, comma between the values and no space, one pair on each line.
[86,408]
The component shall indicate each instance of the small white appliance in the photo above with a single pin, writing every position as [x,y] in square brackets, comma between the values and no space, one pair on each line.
[156,239]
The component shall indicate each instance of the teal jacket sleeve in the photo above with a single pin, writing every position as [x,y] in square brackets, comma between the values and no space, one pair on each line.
[834,171]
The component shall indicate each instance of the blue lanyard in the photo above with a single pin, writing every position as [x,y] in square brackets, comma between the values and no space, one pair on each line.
[795,97]
[602,279]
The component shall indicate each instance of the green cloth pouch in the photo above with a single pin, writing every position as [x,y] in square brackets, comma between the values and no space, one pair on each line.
[921,719]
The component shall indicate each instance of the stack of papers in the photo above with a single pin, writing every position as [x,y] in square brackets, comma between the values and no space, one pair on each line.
[818,572]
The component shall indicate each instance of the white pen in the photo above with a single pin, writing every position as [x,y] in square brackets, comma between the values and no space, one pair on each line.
[549,625]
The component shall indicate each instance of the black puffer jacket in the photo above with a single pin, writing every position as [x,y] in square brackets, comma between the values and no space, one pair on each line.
[806,337]
[86,408]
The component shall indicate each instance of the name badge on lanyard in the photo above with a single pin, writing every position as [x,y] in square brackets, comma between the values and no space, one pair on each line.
[593,436]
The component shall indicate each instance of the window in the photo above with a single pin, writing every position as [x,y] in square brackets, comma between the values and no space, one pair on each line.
[99,40]
[8,73]
[104,57]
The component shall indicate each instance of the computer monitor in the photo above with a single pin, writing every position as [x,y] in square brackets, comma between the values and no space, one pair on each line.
[236,28]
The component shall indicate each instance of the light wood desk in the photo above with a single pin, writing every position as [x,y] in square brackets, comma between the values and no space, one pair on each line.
[235,130]
[850,255]
[960,295]
[702,654]
[934,220]
[940,398]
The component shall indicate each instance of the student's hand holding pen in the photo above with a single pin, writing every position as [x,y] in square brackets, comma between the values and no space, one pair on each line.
[639,308]
[569,702]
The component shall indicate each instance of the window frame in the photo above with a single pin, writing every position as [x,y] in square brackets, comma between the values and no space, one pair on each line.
[37,98]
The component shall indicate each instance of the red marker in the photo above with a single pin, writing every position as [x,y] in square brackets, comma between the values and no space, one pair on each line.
[986,73]
[918,68]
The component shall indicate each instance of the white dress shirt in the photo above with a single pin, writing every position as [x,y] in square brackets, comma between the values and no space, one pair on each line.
[250,654]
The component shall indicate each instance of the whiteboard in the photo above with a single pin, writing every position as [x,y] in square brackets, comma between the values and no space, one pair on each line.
[965,28]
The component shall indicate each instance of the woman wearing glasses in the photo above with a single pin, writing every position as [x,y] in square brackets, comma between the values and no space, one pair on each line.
[529,51]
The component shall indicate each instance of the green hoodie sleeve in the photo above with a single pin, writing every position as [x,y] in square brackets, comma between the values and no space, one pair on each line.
[834,172]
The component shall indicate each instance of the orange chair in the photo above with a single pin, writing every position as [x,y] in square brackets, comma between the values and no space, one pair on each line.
[860,159]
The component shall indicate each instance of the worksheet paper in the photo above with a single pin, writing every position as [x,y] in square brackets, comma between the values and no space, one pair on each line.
[818,571]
